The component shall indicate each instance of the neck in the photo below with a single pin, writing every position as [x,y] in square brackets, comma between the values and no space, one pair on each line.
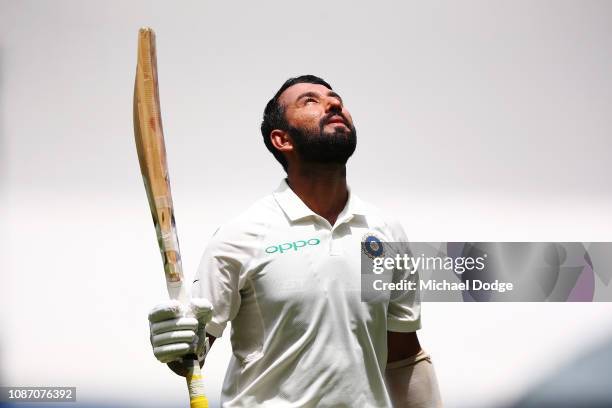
[322,187]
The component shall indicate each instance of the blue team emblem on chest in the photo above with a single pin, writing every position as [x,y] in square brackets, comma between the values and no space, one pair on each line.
[372,246]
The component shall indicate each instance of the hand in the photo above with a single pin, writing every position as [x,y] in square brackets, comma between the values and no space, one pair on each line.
[178,330]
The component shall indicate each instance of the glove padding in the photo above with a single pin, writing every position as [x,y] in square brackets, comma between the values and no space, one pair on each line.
[178,330]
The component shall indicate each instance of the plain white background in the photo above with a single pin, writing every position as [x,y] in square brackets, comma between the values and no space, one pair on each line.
[476,120]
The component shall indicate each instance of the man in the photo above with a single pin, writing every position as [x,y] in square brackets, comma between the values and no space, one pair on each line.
[286,273]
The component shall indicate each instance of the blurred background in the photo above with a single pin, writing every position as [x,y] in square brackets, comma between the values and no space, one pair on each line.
[477,121]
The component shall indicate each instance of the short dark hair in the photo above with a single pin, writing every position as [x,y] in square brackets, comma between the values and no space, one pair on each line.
[274,113]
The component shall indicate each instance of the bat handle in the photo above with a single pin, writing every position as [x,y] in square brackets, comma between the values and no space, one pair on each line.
[195,383]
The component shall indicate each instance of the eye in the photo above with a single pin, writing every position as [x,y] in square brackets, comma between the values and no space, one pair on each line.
[311,100]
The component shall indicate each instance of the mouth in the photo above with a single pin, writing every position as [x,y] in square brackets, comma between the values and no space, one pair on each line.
[336,120]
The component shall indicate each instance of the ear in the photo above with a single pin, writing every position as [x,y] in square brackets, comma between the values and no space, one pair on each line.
[281,140]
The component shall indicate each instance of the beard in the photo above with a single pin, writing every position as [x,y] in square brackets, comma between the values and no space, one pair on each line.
[318,146]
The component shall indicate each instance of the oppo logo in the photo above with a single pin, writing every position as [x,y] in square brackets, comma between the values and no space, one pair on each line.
[295,245]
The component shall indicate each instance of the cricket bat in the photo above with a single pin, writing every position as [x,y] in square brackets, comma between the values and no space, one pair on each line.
[151,150]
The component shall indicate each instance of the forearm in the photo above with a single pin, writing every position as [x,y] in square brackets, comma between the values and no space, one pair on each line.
[412,383]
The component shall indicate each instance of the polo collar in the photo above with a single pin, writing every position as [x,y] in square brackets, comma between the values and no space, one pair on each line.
[295,209]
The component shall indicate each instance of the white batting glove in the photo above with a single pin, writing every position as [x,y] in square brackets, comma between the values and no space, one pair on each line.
[178,330]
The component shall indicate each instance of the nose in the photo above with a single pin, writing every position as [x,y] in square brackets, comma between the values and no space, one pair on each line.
[333,105]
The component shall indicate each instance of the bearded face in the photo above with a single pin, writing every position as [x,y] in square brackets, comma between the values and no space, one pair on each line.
[333,141]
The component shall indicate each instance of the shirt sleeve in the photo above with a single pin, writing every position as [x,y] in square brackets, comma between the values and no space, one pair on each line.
[221,277]
[404,310]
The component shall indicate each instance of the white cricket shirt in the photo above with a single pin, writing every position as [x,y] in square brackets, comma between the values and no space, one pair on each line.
[290,284]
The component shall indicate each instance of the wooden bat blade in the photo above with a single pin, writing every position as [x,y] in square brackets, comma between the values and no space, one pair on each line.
[149,136]
[151,149]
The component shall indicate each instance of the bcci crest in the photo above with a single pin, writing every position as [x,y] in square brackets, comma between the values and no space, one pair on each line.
[372,246]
